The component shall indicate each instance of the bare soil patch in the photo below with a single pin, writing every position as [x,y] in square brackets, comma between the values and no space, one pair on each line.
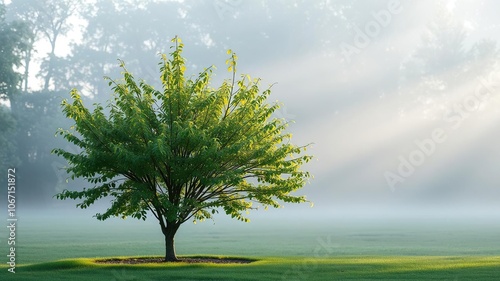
[142,260]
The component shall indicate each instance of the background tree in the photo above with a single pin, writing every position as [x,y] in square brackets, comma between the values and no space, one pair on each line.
[48,20]
[184,152]
[440,69]
[34,138]
[8,156]
[136,30]
[13,36]
[29,118]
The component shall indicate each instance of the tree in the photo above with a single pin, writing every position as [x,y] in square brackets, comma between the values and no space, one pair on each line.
[27,120]
[210,27]
[13,37]
[184,152]
[48,20]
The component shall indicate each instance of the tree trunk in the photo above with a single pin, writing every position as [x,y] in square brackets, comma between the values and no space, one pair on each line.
[49,71]
[169,243]
[27,69]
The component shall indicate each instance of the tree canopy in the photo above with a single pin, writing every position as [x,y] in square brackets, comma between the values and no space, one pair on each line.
[185,151]
[13,37]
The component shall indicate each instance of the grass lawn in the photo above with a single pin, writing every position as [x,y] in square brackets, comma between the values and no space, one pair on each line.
[50,248]
[289,268]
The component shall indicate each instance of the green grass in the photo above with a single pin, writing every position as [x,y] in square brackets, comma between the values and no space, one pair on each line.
[289,268]
[49,239]
[53,248]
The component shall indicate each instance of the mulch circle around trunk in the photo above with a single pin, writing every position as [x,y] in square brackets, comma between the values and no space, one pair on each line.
[181,259]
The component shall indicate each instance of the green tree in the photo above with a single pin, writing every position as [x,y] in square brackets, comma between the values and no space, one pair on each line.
[184,152]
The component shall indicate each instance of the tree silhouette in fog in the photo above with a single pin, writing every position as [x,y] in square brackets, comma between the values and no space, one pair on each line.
[443,69]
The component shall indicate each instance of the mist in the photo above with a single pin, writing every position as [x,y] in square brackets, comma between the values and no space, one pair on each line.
[398,99]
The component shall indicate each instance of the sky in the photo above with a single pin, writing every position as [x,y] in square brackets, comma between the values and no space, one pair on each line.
[393,123]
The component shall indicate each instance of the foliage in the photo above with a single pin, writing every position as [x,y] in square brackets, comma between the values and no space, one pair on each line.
[109,33]
[48,20]
[13,36]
